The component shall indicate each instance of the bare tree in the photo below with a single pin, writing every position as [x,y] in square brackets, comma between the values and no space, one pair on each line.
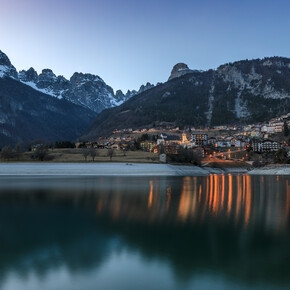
[257,163]
[41,152]
[6,153]
[18,150]
[110,153]
[85,153]
[93,153]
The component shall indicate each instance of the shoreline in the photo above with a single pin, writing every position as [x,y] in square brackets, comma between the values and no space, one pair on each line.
[282,169]
[129,169]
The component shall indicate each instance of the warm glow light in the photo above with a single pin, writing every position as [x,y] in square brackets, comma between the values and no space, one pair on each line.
[230,197]
[185,200]
[248,201]
[239,197]
[150,194]
[168,197]
[211,193]
[216,194]
[223,191]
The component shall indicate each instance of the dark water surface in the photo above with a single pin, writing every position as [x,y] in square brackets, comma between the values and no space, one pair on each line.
[215,232]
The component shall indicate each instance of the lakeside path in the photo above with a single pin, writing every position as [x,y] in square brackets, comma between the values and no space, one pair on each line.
[129,169]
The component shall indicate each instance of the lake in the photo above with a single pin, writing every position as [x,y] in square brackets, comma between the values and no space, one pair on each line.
[166,232]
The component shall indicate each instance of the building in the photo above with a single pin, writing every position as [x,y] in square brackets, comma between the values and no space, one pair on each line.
[184,138]
[265,146]
[168,139]
[278,128]
[269,129]
[172,140]
[240,143]
[212,141]
[162,158]
[223,143]
[199,139]
[147,145]
[116,147]
[270,146]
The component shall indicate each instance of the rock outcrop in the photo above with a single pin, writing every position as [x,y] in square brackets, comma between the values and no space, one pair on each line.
[179,70]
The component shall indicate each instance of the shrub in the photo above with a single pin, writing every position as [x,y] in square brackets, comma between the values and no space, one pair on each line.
[186,156]
[257,164]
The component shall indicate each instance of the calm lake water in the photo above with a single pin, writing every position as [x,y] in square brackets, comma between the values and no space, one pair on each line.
[213,232]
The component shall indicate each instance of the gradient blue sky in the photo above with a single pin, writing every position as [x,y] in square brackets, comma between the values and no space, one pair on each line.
[130,42]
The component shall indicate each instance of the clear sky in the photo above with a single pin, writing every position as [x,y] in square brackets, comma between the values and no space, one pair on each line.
[130,42]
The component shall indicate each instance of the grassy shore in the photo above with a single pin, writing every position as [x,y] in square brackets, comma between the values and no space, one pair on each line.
[76,156]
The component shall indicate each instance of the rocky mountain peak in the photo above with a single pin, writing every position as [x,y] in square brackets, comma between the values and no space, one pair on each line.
[119,95]
[6,68]
[47,74]
[79,78]
[146,87]
[85,89]
[28,76]
[46,79]
[179,70]
[4,60]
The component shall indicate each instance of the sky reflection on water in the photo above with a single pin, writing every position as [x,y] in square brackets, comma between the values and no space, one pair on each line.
[218,231]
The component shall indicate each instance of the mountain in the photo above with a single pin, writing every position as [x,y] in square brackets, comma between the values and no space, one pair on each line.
[50,107]
[235,93]
[87,90]
[28,114]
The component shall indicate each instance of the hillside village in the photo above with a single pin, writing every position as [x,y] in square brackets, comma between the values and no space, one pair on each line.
[220,142]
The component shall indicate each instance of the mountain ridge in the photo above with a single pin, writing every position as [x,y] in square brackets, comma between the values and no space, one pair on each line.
[85,89]
[234,93]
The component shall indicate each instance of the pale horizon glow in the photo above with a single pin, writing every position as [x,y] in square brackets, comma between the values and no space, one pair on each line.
[128,43]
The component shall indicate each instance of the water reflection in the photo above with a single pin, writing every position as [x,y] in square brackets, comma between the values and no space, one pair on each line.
[240,200]
[233,227]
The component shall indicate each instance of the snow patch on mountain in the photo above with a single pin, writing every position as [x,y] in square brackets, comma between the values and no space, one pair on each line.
[45,91]
[3,70]
[241,107]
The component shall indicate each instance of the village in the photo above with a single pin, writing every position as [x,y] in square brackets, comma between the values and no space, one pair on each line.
[221,146]
[221,143]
